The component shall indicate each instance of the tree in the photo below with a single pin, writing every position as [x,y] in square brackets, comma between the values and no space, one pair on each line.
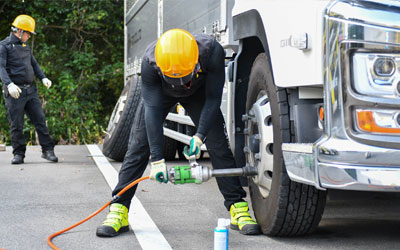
[79,46]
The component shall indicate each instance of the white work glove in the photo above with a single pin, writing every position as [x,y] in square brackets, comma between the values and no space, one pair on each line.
[14,90]
[46,82]
[159,171]
[194,149]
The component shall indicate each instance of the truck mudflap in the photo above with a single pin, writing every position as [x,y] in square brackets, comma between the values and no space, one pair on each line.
[345,165]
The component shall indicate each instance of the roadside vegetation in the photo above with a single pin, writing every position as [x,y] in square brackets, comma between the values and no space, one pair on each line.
[79,46]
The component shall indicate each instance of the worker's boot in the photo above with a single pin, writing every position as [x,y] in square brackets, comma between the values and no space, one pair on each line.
[115,223]
[18,159]
[241,219]
[50,156]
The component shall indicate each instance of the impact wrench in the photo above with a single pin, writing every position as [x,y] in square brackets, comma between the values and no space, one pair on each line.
[198,174]
[194,173]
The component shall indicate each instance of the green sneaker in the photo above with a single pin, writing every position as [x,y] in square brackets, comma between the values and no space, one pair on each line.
[241,219]
[116,222]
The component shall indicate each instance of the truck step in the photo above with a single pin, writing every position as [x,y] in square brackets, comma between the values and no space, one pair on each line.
[300,162]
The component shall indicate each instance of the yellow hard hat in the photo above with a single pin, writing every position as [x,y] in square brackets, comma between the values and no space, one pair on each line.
[25,22]
[177,56]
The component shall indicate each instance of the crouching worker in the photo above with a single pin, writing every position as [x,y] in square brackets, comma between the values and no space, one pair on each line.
[18,67]
[186,69]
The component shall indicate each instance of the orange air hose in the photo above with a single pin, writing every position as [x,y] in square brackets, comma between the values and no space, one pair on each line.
[93,214]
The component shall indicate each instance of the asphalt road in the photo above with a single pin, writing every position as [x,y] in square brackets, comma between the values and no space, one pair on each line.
[39,198]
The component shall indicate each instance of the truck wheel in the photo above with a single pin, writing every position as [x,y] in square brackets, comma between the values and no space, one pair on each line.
[170,145]
[117,136]
[282,207]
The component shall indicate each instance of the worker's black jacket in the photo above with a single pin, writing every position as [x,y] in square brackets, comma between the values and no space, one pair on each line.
[155,91]
[17,64]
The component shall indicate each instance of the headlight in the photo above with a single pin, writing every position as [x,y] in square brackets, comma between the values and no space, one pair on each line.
[384,67]
[376,74]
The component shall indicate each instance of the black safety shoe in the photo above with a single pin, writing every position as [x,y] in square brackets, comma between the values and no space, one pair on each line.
[18,159]
[49,155]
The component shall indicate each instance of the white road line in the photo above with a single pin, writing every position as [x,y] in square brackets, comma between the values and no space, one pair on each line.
[146,231]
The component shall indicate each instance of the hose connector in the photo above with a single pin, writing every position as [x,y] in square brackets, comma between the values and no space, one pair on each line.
[115,198]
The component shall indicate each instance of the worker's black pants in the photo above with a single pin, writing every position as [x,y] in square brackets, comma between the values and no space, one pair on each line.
[28,103]
[137,156]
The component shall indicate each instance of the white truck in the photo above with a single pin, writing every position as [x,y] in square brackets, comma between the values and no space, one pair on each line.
[311,99]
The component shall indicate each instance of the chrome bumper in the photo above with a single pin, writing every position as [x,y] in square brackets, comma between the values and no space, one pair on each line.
[345,165]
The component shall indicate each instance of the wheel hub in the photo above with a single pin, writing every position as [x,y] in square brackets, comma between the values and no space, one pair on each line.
[259,143]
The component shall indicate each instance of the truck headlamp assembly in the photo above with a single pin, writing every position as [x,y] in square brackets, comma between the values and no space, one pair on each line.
[376,74]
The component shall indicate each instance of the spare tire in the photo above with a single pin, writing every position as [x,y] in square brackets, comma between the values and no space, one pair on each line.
[117,135]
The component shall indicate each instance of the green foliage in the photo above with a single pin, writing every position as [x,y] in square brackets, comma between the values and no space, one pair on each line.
[79,46]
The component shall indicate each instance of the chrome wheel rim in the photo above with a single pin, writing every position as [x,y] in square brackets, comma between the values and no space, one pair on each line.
[259,142]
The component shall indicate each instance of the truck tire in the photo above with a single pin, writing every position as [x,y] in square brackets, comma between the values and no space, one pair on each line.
[282,207]
[117,136]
